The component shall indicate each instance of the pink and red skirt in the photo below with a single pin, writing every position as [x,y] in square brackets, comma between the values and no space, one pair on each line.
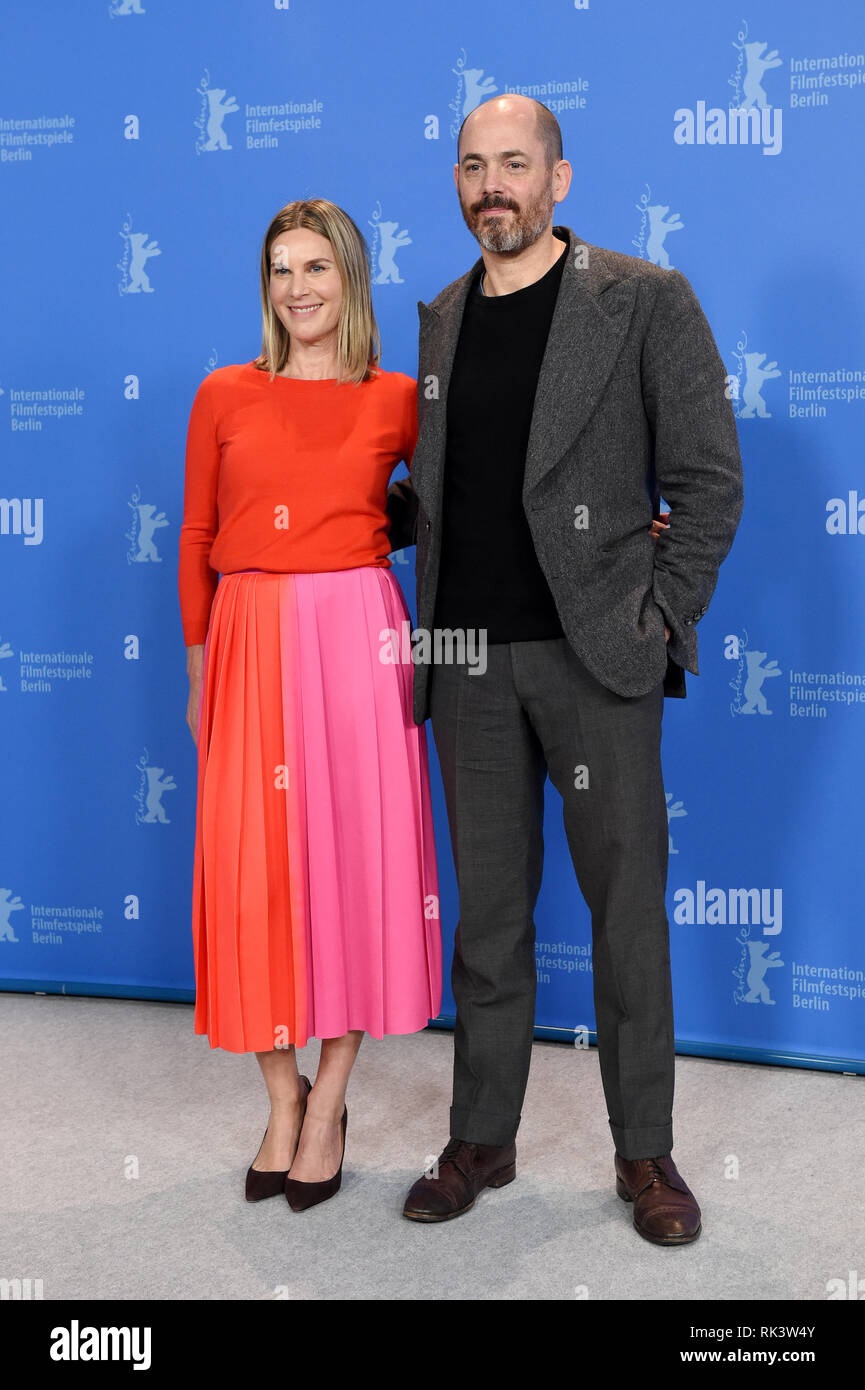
[315,904]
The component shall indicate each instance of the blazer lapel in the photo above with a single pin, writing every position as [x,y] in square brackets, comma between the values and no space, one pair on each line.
[585,339]
[440,324]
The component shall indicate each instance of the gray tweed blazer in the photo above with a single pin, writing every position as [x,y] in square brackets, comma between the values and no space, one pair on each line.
[631,406]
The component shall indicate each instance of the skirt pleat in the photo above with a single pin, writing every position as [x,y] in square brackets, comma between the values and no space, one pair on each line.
[315,894]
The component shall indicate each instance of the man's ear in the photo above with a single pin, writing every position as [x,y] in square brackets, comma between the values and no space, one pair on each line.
[564,174]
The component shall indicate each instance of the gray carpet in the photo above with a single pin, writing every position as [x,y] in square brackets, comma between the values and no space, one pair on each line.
[95,1089]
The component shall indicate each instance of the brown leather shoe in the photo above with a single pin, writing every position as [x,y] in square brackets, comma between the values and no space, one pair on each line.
[665,1208]
[464,1169]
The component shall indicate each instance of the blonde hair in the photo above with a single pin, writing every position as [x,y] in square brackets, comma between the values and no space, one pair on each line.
[357,337]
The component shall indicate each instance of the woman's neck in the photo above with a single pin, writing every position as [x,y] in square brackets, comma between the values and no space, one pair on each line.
[310,365]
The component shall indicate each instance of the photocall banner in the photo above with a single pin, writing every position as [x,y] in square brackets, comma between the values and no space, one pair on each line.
[144,148]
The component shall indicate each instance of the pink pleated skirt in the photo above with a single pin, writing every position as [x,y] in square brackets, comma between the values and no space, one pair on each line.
[315,906]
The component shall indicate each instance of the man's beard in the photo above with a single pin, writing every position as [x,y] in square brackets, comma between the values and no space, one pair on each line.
[518,232]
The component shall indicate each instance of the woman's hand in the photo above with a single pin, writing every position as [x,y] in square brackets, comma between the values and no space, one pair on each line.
[661,523]
[195,671]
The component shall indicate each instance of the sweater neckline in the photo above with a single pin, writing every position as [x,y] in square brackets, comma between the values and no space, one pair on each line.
[307,380]
[521,296]
[304,380]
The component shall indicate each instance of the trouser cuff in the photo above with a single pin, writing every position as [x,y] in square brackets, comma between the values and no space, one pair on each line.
[482,1127]
[649,1142]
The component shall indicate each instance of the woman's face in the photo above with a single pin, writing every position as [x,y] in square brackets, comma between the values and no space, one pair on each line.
[305,287]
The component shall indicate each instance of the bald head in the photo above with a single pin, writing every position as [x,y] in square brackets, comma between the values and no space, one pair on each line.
[510,174]
[525,113]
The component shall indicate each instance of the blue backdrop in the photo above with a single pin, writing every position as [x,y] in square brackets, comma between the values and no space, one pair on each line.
[144,147]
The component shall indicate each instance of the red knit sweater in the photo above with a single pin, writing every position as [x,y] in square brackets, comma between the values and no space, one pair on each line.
[287,475]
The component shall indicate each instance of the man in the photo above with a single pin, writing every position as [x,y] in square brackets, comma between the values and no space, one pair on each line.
[563,389]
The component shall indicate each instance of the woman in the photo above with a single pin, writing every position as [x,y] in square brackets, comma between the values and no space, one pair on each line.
[315,896]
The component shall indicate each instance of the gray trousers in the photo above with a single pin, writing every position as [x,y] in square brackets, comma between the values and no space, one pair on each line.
[537,710]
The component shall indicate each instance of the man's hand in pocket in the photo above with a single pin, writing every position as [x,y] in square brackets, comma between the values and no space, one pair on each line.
[659,525]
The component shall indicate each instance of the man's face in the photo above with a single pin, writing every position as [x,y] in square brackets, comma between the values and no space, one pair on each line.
[505,189]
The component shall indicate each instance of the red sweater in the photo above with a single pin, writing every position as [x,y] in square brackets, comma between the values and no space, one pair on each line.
[287,475]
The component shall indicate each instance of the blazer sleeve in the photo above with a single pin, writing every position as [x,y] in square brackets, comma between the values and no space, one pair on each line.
[697,462]
[196,580]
